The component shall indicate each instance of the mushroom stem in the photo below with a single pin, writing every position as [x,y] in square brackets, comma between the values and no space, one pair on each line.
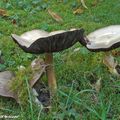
[50,72]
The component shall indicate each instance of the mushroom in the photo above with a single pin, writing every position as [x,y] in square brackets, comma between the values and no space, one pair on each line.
[40,41]
[104,39]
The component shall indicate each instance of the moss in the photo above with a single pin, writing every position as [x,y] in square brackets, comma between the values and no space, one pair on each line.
[20,87]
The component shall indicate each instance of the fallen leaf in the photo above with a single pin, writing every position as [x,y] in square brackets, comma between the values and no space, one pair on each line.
[38,67]
[5,80]
[40,91]
[115,53]
[112,65]
[98,85]
[83,4]
[95,82]
[109,61]
[78,11]
[14,22]
[3,13]
[55,16]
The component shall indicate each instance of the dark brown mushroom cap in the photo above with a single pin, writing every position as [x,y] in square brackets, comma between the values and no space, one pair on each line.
[104,39]
[39,41]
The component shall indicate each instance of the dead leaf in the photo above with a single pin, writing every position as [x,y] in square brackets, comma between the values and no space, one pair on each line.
[38,68]
[83,4]
[5,79]
[78,11]
[95,82]
[112,65]
[97,85]
[115,53]
[109,61]
[14,22]
[3,13]
[55,16]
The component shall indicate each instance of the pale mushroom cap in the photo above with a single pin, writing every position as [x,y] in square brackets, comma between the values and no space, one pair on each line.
[56,32]
[40,41]
[34,34]
[104,38]
[27,38]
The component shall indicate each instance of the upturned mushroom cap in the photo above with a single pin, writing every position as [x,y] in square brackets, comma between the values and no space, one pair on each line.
[104,39]
[40,41]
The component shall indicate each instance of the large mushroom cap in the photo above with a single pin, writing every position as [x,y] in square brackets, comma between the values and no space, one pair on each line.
[40,41]
[104,39]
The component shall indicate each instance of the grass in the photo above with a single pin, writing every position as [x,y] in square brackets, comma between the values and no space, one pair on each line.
[75,99]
